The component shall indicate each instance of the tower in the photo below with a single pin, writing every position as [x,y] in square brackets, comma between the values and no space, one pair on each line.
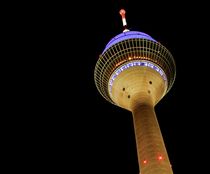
[134,72]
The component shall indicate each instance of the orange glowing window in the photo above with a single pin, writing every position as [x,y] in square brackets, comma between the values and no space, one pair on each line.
[145,161]
[160,157]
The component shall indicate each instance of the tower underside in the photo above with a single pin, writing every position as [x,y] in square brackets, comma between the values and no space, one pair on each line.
[137,84]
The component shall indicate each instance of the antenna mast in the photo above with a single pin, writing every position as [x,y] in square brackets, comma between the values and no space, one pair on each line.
[122,13]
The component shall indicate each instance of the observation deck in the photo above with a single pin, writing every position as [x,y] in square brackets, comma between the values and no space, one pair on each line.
[133,46]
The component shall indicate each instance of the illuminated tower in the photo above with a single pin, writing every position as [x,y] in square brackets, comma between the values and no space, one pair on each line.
[134,72]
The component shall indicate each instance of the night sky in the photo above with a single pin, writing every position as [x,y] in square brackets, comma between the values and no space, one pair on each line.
[77,130]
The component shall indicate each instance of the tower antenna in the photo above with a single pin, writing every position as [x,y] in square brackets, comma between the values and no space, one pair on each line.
[122,13]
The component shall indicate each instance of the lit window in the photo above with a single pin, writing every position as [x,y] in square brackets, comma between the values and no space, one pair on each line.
[145,161]
[160,157]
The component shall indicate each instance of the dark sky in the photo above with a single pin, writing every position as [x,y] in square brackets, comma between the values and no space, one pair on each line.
[78,131]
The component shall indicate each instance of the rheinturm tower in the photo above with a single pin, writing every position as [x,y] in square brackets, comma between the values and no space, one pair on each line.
[134,72]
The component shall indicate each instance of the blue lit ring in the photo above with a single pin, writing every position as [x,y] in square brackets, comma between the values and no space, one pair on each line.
[132,64]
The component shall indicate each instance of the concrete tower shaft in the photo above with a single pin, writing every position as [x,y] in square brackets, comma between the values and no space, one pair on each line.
[151,151]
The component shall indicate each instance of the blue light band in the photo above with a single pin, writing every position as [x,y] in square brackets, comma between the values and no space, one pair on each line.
[132,64]
[128,35]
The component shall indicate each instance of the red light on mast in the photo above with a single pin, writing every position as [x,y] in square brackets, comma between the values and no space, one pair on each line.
[122,13]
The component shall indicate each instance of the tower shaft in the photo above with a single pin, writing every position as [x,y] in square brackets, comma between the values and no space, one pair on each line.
[152,154]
